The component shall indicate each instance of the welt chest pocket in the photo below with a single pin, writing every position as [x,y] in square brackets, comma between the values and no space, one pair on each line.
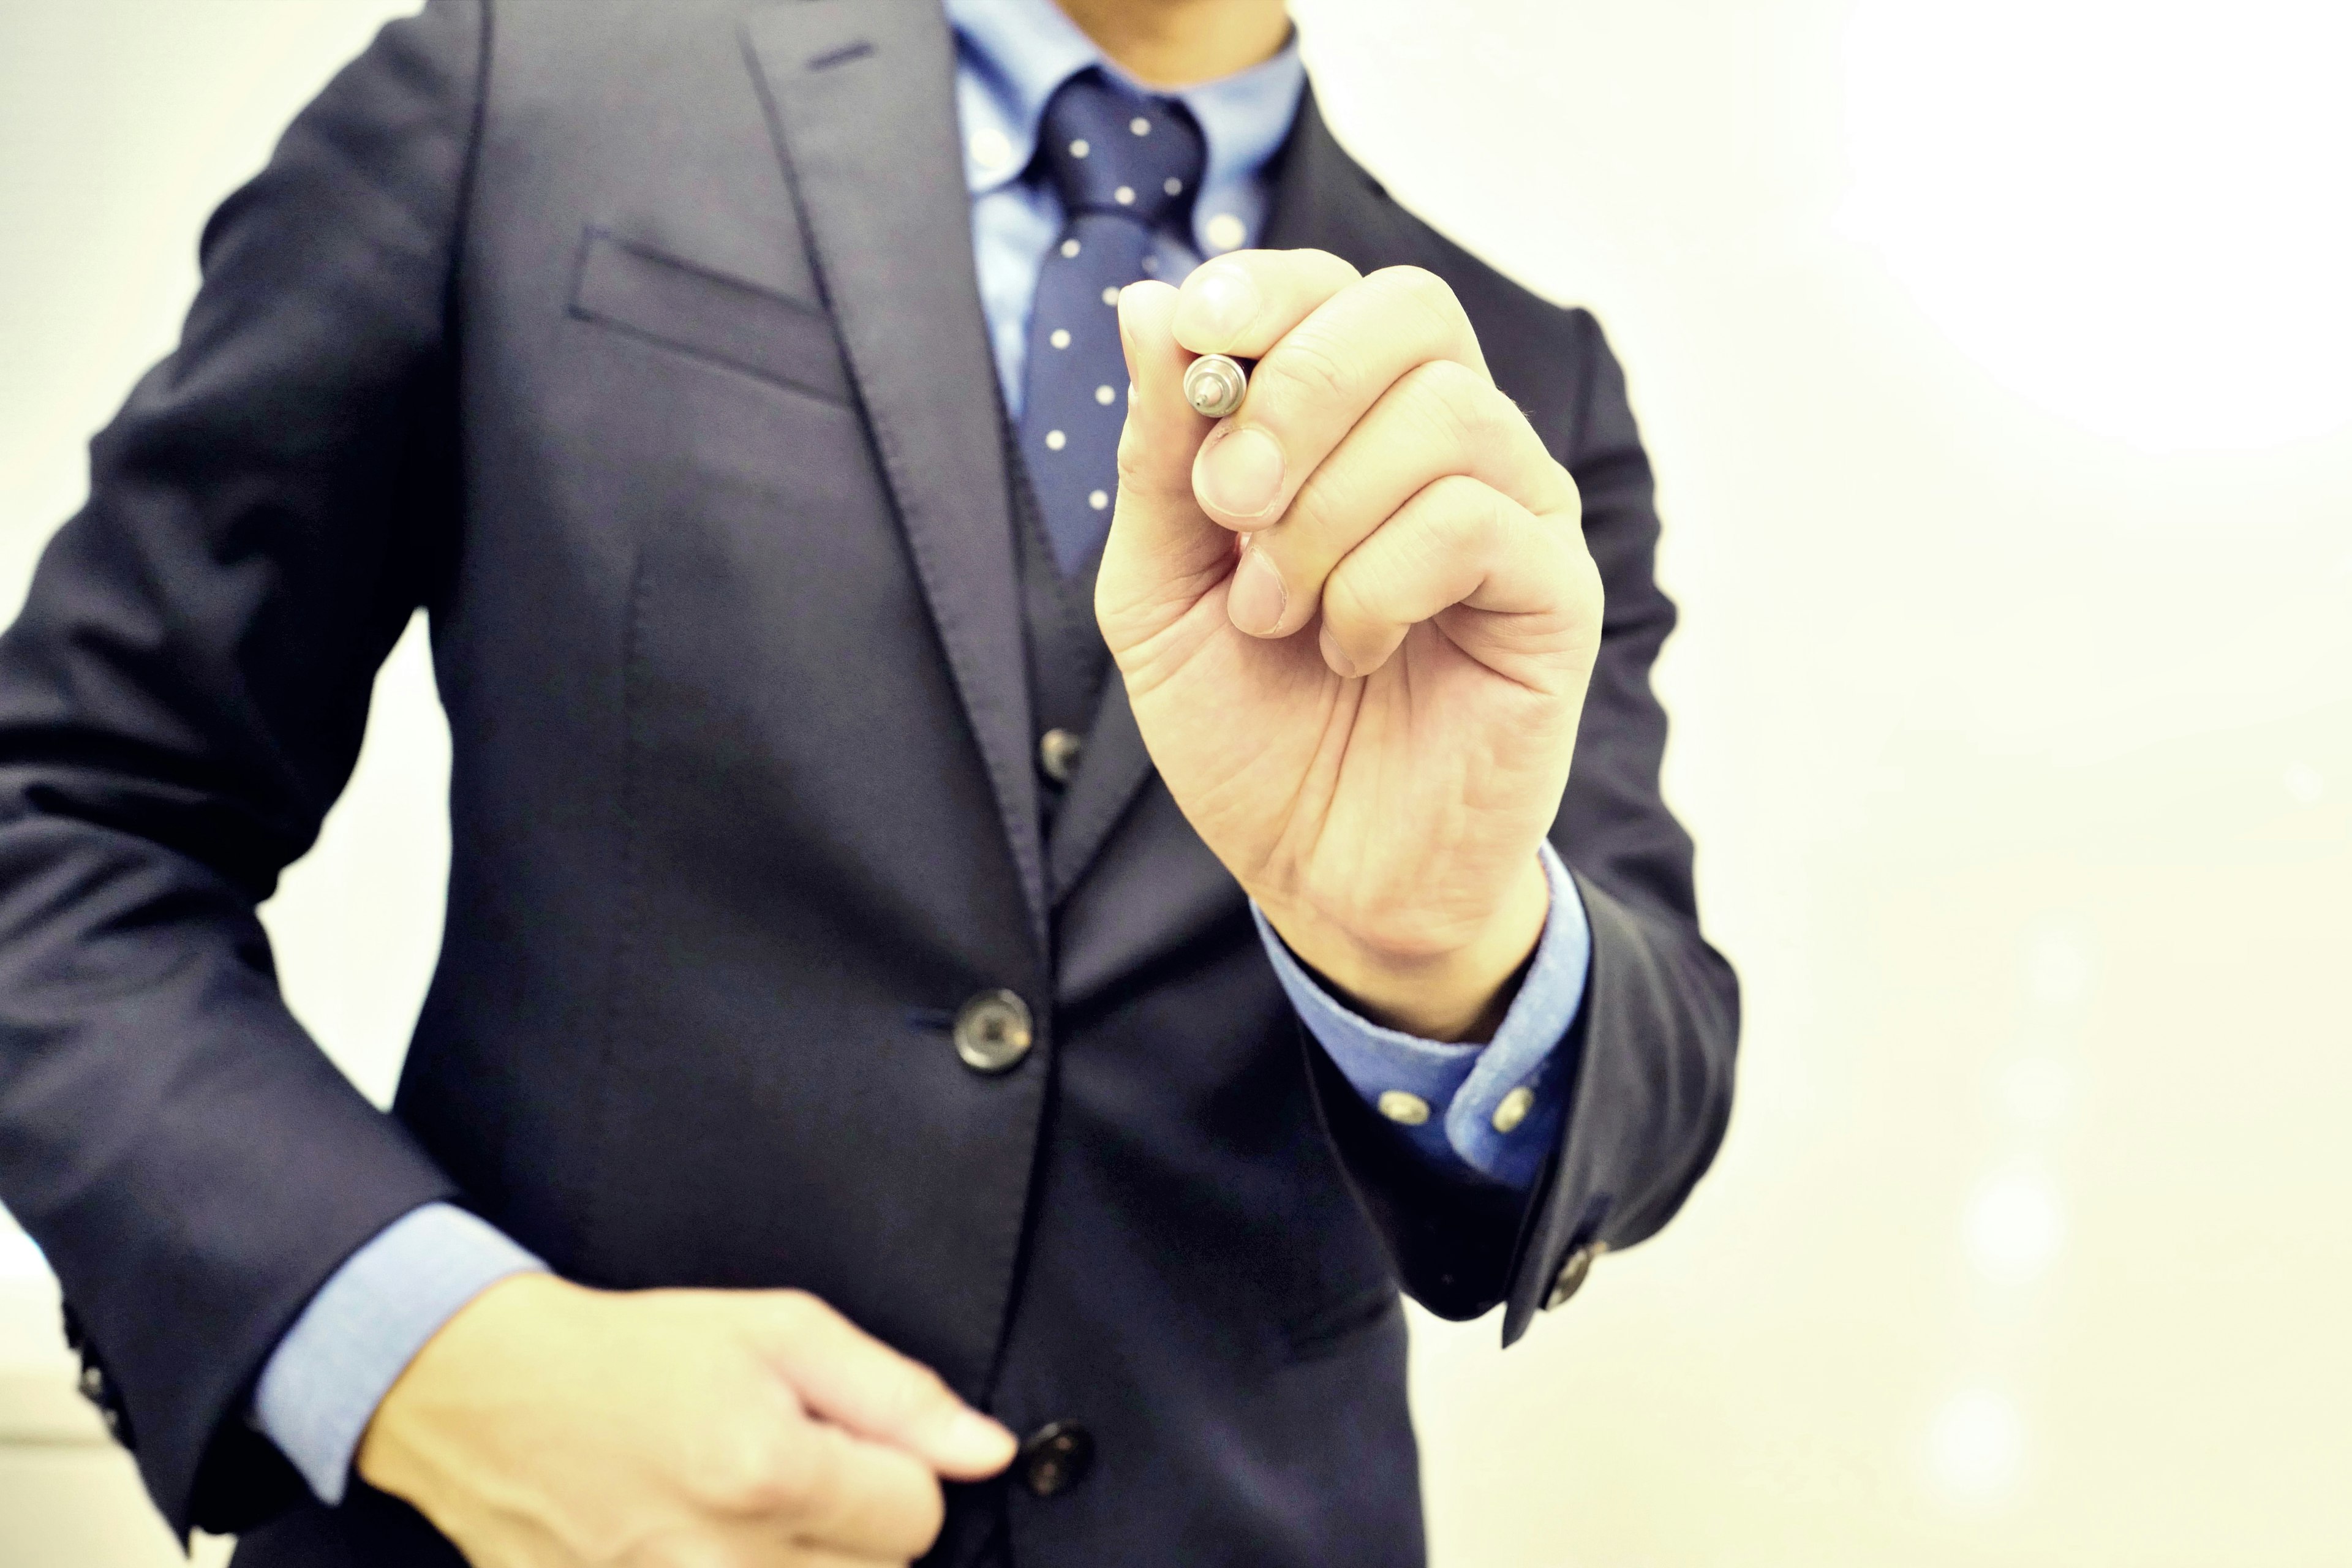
[687,309]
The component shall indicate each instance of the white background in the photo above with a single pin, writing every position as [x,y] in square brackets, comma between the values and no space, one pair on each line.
[1996,360]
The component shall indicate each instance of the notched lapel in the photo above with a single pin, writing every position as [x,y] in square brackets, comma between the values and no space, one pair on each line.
[861,99]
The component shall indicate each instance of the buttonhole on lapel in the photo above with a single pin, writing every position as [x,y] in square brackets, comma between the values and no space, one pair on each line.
[931,1017]
[841,56]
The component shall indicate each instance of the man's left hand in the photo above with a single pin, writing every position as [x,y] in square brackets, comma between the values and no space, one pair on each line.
[1356,619]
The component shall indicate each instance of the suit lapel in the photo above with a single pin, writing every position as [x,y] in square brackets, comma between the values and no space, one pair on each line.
[1321,200]
[861,99]
[1114,767]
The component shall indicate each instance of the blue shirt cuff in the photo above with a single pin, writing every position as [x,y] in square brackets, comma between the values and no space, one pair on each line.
[321,1386]
[1476,1117]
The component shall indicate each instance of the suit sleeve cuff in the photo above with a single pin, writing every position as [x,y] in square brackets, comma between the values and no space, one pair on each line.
[1476,1118]
[320,1386]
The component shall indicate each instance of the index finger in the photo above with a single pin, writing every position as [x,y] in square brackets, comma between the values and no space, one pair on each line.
[1243,301]
[1315,381]
[865,1498]
[853,1379]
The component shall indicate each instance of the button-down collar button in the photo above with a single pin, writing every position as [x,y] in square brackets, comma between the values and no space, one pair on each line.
[990,147]
[1405,1110]
[1571,1276]
[993,1031]
[1055,1458]
[1058,751]
[1514,1109]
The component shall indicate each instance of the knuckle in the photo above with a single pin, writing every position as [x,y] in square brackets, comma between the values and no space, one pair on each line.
[1455,523]
[1456,400]
[1303,371]
[1573,508]
[1448,536]
[906,1391]
[798,1311]
[1315,527]
[808,1480]
[1592,590]
[746,1473]
[1499,523]
[1423,289]
[1337,263]
[1492,413]
[1463,513]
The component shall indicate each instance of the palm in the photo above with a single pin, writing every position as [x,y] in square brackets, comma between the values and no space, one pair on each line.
[1412,526]
[1404,799]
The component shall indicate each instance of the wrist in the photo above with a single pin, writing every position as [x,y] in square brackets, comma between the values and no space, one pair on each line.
[1456,985]
[442,1390]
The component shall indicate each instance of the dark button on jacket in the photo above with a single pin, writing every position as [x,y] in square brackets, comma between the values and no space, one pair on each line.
[1055,1458]
[993,1031]
[1572,1274]
[1058,751]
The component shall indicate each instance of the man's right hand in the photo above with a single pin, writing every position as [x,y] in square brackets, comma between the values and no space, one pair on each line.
[549,1425]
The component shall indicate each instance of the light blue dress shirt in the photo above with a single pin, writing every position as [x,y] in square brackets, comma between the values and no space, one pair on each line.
[322,1384]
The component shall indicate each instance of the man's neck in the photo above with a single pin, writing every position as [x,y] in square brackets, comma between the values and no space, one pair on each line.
[1177,43]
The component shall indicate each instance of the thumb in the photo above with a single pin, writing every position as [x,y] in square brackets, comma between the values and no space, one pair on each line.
[855,1380]
[1164,552]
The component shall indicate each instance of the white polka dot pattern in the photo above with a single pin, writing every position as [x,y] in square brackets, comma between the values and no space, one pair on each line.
[1123,167]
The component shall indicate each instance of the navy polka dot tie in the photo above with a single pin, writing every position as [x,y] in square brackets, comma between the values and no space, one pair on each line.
[1123,166]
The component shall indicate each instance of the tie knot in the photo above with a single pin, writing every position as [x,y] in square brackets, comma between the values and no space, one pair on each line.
[1109,150]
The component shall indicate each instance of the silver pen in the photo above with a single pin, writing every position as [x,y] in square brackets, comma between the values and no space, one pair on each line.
[1213,385]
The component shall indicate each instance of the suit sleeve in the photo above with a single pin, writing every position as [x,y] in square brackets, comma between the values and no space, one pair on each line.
[181,699]
[1649,1058]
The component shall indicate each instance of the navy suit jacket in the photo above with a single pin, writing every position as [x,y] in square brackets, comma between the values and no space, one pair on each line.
[639,344]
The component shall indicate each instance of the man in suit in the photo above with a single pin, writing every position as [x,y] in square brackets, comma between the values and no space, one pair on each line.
[993,919]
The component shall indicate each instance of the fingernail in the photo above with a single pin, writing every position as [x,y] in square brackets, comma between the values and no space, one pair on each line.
[973,1439]
[1255,599]
[1241,472]
[1218,303]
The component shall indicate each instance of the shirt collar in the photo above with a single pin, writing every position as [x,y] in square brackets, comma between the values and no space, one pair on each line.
[1016,52]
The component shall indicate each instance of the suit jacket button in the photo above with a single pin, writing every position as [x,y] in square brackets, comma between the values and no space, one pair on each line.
[993,1031]
[1055,1458]
[1058,751]
[1570,1278]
